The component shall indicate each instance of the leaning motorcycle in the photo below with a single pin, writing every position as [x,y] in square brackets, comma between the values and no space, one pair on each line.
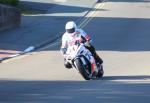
[81,59]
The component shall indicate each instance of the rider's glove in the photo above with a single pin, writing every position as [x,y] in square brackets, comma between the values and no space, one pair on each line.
[63,51]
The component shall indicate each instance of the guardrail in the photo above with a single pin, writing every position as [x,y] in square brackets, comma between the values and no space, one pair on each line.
[10,17]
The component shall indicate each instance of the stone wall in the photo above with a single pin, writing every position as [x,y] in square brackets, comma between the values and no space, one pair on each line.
[10,17]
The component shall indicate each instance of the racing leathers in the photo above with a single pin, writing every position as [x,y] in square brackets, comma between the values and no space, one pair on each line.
[68,39]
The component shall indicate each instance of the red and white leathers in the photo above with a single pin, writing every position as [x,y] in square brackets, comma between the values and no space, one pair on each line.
[69,39]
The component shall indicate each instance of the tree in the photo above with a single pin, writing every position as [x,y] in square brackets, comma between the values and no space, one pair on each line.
[10,2]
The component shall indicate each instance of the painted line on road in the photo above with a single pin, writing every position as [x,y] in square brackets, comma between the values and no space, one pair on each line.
[90,18]
[92,14]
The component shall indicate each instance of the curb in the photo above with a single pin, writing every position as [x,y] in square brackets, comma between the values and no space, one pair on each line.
[29,49]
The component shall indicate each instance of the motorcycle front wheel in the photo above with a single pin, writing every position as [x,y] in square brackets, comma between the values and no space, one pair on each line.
[82,69]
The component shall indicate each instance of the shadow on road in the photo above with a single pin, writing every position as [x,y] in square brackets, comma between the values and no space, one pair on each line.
[36,29]
[128,1]
[118,34]
[52,7]
[126,77]
[15,91]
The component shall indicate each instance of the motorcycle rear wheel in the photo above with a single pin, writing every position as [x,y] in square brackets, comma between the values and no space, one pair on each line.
[100,72]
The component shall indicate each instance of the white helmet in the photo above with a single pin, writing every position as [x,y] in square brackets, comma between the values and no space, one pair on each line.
[70,27]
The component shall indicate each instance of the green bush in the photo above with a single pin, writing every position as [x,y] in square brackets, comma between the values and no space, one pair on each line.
[10,2]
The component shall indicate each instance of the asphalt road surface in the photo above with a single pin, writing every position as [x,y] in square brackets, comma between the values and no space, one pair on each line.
[120,30]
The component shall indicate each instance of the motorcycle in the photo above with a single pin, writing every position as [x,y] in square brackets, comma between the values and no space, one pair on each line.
[81,59]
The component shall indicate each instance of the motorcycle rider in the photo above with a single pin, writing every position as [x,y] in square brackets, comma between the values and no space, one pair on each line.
[69,36]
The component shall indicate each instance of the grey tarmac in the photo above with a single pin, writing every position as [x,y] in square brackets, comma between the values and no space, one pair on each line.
[120,35]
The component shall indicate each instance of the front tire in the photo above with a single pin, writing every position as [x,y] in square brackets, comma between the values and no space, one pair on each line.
[81,69]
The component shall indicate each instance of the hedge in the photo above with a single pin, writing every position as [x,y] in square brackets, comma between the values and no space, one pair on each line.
[10,2]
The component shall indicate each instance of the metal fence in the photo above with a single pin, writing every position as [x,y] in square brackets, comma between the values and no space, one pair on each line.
[9,17]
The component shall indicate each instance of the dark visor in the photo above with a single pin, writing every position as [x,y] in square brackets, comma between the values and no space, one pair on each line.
[70,30]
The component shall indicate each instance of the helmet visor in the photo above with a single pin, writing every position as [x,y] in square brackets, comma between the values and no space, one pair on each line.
[70,30]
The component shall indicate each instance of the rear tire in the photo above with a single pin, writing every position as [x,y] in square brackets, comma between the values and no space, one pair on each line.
[81,69]
[100,72]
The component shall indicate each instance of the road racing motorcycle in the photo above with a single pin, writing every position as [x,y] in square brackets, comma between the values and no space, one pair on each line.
[81,59]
